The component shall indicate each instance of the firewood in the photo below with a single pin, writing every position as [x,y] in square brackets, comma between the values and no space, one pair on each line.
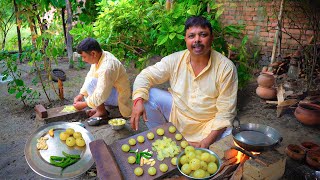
[271,102]
[230,153]
[237,175]
[60,86]
[280,97]
[223,173]
[228,162]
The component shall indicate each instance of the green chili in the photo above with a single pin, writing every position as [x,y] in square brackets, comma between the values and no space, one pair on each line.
[138,158]
[64,162]
[76,156]
[146,155]
[71,161]
[58,164]
[57,158]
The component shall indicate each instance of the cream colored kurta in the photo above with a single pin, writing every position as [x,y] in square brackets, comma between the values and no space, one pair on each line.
[200,104]
[110,73]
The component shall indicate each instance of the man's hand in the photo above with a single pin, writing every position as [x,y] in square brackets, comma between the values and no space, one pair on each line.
[211,138]
[78,98]
[137,111]
[80,105]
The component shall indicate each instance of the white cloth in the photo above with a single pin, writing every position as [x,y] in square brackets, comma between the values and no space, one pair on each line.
[112,99]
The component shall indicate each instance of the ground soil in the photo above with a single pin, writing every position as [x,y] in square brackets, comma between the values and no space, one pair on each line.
[18,122]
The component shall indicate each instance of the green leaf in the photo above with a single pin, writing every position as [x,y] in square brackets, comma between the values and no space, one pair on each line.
[180,29]
[192,10]
[244,40]
[162,39]
[179,36]
[11,90]
[218,13]
[19,94]
[19,82]
[172,35]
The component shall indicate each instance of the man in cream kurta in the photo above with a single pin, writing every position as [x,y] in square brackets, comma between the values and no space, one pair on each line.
[203,87]
[106,83]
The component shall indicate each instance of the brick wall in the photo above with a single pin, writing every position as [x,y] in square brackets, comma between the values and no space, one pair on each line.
[260,18]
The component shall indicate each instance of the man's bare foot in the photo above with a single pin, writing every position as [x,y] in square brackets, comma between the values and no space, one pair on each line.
[98,114]
[91,112]
[100,111]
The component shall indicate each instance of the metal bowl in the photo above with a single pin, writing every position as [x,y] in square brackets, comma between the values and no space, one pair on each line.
[117,123]
[218,162]
[94,121]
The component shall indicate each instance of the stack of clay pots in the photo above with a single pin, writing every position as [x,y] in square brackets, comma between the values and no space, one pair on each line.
[308,152]
[265,90]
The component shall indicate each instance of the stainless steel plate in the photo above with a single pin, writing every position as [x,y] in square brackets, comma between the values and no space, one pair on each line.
[38,160]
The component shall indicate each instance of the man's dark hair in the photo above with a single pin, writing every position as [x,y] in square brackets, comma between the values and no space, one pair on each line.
[87,45]
[197,21]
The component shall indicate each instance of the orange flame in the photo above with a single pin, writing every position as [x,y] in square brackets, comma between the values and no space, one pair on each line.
[240,156]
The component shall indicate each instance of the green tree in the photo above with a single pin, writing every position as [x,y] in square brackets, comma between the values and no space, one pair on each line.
[6,19]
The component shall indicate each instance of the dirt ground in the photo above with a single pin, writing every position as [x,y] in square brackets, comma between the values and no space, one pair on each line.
[18,123]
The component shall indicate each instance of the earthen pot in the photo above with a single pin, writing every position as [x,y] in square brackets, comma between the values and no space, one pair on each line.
[266,92]
[295,152]
[265,79]
[313,159]
[308,113]
[309,146]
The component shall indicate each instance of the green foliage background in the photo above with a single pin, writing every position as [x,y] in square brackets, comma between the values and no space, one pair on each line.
[133,30]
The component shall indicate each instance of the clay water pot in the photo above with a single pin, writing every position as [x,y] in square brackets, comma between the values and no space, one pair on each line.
[295,152]
[313,159]
[266,92]
[308,113]
[309,146]
[266,80]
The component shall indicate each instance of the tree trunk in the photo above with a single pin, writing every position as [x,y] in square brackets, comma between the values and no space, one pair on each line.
[18,23]
[4,40]
[33,32]
[64,24]
[69,37]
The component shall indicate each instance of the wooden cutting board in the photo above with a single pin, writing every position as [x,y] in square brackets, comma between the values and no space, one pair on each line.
[127,169]
[56,114]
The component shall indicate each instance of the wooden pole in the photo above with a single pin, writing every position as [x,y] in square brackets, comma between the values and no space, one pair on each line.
[276,37]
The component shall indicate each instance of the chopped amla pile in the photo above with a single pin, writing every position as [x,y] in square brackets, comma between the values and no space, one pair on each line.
[165,148]
[69,109]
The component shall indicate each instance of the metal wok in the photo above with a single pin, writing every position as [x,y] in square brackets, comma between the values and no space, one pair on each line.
[255,137]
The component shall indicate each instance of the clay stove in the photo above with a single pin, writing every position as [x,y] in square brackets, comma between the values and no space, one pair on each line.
[266,165]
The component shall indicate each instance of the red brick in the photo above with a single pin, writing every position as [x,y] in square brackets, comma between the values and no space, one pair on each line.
[250,27]
[247,18]
[229,17]
[309,32]
[41,111]
[251,23]
[249,9]
[253,13]
[273,24]
[250,32]
[270,44]
[264,34]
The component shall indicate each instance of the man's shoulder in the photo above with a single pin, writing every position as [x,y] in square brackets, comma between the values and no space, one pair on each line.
[111,59]
[221,60]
